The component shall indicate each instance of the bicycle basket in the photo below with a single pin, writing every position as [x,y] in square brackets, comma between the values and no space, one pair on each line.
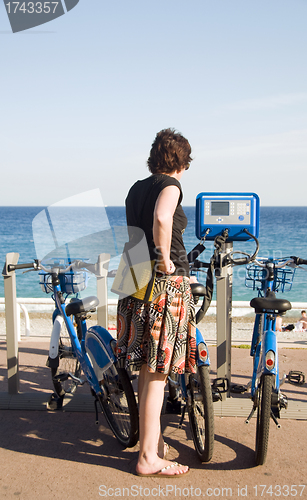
[255,278]
[70,282]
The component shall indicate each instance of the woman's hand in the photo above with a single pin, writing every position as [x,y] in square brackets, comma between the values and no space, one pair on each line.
[166,268]
[193,279]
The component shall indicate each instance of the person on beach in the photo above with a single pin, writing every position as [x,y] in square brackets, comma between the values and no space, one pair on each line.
[300,326]
[159,336]
[303,320]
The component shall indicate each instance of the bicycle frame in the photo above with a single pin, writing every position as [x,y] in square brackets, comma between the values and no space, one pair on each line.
[260,347]
[264,346]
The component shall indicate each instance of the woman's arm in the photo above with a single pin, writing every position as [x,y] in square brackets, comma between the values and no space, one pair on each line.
[165,207]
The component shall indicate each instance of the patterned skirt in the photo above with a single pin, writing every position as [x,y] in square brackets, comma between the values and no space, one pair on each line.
[161,334]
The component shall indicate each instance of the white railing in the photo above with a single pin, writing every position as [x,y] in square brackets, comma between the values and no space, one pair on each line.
[46,305]
[27,305]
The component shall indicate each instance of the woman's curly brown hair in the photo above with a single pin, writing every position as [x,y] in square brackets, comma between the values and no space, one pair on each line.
[169,152]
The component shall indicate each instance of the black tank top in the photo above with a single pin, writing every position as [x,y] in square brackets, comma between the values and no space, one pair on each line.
[140,204]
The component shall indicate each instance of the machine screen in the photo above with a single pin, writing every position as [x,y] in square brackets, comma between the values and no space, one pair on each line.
[219,208]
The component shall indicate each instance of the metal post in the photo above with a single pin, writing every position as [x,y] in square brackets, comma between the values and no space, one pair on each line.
[102,289]
[11,323]
[224,317]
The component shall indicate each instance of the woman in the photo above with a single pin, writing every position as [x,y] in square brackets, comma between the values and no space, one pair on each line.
[158,337]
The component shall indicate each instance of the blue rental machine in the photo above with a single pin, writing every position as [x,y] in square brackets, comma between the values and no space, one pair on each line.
[236,212]
[228,217]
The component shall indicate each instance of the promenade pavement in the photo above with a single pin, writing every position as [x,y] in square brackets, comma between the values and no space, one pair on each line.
[63,454]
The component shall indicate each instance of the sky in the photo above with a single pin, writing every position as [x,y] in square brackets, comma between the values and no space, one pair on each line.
[83,96]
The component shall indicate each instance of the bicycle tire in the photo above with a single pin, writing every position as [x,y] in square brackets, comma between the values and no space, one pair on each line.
[119,406]
[68,363]
[201,413]
[263,418]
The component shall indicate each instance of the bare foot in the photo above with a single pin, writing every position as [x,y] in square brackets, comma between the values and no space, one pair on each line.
[160,467]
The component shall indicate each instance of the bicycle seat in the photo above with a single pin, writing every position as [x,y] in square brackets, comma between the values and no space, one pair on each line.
[263,304]
[198,290]
[81,306]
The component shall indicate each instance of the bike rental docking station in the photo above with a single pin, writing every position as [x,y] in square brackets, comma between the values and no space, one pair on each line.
[223,218]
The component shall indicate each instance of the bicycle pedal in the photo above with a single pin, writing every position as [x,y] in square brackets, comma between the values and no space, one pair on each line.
[296,377]
[221,384]
[62,377]
[55,402]
[237,388]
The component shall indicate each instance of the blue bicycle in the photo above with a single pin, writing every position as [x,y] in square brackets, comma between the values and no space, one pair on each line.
[91,351]
[268,276]
[195,392]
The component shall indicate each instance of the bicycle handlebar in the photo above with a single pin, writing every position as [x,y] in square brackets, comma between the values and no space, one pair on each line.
[276,266]
[13,267]
[298,261]
[76,264]
[37,265]
[286,261]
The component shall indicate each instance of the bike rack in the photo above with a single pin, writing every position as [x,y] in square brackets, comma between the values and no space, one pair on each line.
[102,289]
[223,276]
[225,218]
[11,311]
[11,323]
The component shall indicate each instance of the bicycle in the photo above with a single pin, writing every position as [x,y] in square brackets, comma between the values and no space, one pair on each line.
[268,276]
[88,350]
[194,393]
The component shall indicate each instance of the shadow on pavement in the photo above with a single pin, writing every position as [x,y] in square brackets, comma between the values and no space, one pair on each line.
[62,435]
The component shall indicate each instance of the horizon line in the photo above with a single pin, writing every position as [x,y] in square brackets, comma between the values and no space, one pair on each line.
[123,206]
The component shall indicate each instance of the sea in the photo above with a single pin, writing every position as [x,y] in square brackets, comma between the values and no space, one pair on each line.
[87,232]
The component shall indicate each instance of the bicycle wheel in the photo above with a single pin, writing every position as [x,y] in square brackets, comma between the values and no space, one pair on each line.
[201,413]
[119,406]
[263,418]
[68,363]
